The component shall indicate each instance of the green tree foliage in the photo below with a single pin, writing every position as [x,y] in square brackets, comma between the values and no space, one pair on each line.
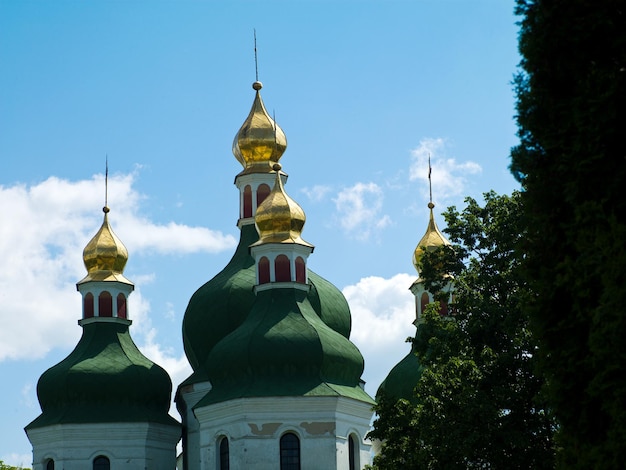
[477,396]
[572,164]
[4,466]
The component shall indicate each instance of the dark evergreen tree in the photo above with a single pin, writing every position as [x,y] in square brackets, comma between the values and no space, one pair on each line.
[571,161]
[478,404]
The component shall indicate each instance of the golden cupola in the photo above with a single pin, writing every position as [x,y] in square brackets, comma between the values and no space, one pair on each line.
[432,239]
[105,256]
[260,142]
[279,219]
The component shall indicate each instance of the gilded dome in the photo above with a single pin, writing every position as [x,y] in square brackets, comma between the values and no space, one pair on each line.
[260,142]
[432,239]
[105,256]
[279,219]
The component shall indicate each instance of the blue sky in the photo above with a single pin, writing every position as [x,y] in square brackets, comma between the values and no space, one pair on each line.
[364,91]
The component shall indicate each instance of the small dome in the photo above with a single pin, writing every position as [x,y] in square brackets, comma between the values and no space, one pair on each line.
[260,142]
[279,219]
[402,379]
[105,256]
[432,239]
[105,379]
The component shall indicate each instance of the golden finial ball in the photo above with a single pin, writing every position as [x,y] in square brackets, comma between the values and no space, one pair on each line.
[105,209]
[257,86]
[431,205]
[276,167]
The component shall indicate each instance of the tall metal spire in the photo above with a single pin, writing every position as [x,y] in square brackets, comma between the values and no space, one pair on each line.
[105,209]
[256,59]
[430,183]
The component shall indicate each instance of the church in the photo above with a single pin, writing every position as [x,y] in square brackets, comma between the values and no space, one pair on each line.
[276,381]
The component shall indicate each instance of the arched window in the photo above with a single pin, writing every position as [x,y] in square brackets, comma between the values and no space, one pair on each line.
[261,193]
[300,270]
[443,310]
[289,452]
[50,462]
[224,454]
[101,463]
[87,309]
[424,302]
[264,270]
[353,456]
[105,305]
[121,305]
[282,269]
[247,201]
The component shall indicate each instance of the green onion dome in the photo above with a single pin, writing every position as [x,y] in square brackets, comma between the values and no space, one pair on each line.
[283,348]
[105,379]
[402,379]
[330,304]
[218,307]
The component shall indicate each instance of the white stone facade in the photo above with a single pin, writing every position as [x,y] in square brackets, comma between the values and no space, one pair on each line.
[254,427]
[188,396]
[128,446]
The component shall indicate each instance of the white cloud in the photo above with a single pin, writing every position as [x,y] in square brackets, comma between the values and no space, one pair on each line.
[28,397]
[359,210]
[170,312]
[449,178]
[43,230]
[141,234]
[382,314]
[316,193]
[143,279]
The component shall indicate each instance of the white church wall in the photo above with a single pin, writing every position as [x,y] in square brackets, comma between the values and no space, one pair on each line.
[131,446]
[254,427]
[188,397]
